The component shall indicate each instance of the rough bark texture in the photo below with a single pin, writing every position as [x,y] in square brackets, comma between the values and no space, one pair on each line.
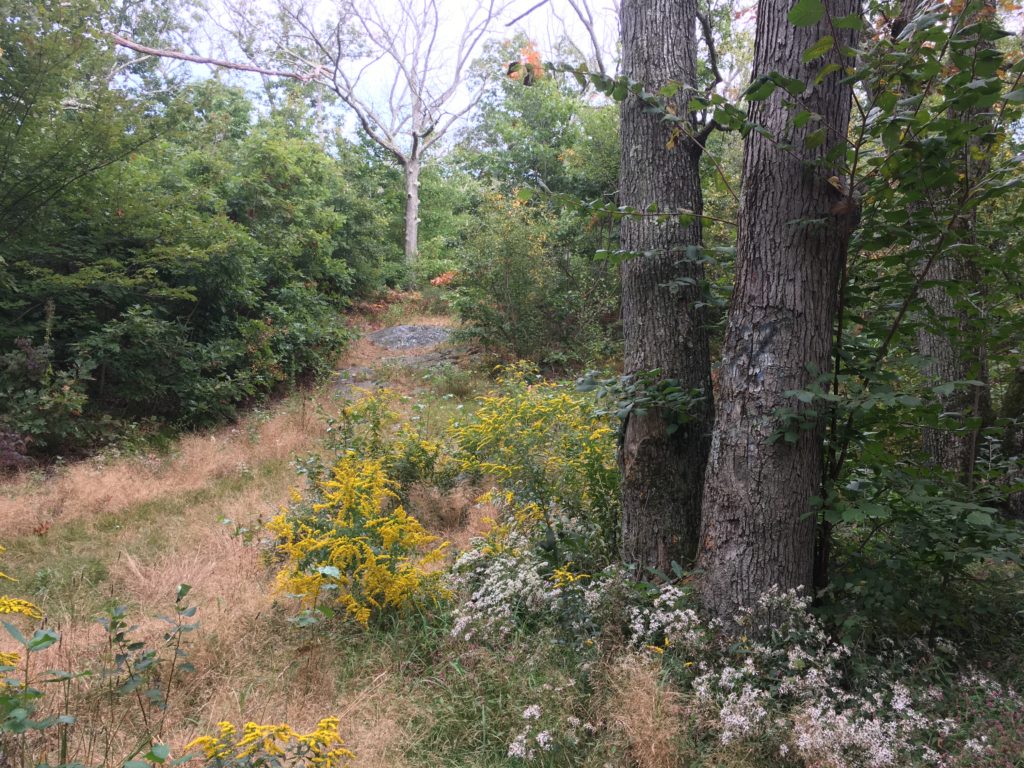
[663,473]
[758,527]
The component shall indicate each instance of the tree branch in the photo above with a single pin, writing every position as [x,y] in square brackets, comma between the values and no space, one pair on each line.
[166,53]
[709,40]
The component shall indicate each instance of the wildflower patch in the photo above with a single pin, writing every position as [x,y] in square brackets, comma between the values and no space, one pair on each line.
[353,546]
[273,745]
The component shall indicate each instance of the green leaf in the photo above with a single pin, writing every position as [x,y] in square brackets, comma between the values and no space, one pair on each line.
[759,91]
[818,49]
[14,632]
[159,753]
[977,517]
[891,136]
[525,194]
[806,13]
[802,118]
[815,139]
[853,21]
[1016,97]
[827,70]
[42,639]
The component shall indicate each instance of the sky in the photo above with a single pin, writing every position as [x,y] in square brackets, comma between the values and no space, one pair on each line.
[545,25]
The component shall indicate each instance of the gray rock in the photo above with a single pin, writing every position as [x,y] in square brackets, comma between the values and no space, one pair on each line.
[409,336]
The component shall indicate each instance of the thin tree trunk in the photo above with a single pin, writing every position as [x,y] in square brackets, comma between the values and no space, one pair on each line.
[1013,441]
[956,349]
[662,471]
[758,523]
[955,354]
[411,174]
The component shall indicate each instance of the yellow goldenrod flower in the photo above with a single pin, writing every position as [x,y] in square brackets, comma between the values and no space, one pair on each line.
[12,605]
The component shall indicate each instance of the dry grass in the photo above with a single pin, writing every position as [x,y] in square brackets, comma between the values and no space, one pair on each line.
[83,490]
[250,666]
[442,511]
[478,520]
[646,712]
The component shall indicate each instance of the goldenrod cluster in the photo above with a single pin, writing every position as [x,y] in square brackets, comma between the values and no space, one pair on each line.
[542,436]
[321,748]
[14,606]
[357,546]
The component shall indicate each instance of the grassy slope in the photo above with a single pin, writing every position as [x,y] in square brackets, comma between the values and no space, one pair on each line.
[127,530]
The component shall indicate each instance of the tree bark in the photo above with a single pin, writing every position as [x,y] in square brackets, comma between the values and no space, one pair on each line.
[956,349]
[662,471]
[758,524]
[952,357]
[411,174]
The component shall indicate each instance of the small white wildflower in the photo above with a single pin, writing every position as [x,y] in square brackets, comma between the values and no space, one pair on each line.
[518,747]
[977,746]
[532,712]
[545,740]
[900,697]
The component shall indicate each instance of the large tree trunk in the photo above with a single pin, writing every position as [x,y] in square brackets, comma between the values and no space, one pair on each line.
[411,174]
[758,522]
[662,471]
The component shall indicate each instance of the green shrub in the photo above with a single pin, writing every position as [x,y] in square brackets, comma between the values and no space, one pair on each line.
[40,408]
[526,286]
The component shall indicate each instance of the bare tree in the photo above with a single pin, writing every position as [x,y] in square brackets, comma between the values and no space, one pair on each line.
[400,66]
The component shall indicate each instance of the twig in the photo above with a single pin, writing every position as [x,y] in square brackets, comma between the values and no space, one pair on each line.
[526,13]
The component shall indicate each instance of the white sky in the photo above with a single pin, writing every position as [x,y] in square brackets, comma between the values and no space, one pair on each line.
[545,26]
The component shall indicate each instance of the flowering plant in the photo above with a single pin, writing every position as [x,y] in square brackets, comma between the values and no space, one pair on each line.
[352,545]
[274,746]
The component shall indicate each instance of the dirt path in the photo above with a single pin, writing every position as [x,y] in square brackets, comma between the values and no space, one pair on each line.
[131,528]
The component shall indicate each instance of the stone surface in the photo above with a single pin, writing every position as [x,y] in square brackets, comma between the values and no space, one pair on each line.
[409,336]
[400,337]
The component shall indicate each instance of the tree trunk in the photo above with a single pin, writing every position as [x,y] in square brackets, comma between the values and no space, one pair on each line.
[758,524]
[411,174]
[662,471]
[956,349]
[953,356]
[1013,441]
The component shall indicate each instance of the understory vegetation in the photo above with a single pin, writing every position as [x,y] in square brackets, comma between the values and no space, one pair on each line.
[454,560]
[240,529]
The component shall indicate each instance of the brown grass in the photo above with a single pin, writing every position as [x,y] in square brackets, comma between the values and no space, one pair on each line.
[646,712]
[88,488]
[479,519]
[250,665]
[442,511]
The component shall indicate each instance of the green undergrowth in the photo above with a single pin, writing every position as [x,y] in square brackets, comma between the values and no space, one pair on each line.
[447,563]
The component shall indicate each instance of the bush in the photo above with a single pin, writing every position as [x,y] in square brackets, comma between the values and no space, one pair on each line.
[197,274]
[40,407]
[544,442]
[269,746]
[351,545]
[527,287]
